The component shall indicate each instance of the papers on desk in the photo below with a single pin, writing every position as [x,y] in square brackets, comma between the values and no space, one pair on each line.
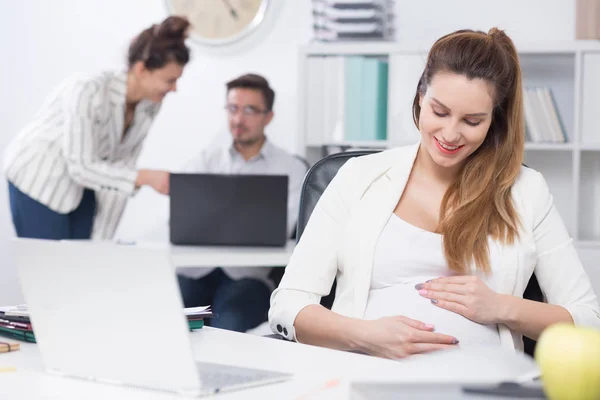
[203,310]
[18,310]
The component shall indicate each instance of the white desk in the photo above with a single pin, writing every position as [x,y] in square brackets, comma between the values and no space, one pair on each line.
[231,256]
[312,367]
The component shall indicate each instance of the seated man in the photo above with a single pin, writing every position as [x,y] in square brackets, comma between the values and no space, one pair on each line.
[241,295]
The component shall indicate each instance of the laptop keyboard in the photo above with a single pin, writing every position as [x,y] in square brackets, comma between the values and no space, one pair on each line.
[217,376]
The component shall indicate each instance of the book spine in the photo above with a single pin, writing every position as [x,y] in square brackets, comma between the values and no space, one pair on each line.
[196,324]
[17,334]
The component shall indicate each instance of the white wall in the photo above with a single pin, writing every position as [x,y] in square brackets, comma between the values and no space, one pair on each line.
[42,42]
[426,20]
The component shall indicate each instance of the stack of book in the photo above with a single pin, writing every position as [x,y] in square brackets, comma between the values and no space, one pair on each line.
[542,119]
[196,315]
[15,322]
[352,20]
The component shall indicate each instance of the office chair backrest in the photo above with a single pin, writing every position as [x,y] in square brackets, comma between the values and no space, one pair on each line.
[303,161]
[317,179]
[315,182]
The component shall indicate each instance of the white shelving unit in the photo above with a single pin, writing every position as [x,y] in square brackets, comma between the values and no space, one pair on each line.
[571,69]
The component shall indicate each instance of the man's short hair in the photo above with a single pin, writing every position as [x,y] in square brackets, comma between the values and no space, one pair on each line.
[256,82]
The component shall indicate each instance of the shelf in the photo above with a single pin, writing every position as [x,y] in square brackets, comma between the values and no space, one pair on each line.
[356,143]
[549,146]
[557,47]
[366,48]
[375,48]
[590,147]
[387,143]
[587,244]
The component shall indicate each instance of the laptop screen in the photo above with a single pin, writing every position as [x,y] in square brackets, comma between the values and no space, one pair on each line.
[219,209]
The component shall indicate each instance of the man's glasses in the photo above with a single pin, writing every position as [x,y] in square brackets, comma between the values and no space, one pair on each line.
[249,111]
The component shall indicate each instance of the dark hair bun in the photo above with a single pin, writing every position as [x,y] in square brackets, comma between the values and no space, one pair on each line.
[160,44]
[173,28]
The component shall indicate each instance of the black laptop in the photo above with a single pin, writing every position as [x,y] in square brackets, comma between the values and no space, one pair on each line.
[234,210]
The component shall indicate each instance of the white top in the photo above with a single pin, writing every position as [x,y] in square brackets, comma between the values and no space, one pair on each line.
[405,256]
[344,228]
[224,159]
[75,142]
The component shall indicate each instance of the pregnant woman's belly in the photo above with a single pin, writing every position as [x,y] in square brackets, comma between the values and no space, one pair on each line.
[403,299]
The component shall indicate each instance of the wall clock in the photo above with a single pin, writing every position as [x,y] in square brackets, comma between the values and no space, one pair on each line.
[220,22]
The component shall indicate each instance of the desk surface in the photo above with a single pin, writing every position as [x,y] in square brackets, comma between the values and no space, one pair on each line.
[231,256]
[312,366]
[225,256]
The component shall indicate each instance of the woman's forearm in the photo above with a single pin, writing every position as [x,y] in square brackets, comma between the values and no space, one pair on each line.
[319,326]
[530,318]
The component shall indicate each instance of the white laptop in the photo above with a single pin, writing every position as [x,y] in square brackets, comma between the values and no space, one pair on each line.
[113,313]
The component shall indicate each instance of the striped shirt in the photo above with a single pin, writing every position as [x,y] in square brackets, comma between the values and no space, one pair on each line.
[271,160]
[75,142]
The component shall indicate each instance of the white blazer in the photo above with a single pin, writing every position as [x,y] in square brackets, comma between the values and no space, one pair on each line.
[340,238]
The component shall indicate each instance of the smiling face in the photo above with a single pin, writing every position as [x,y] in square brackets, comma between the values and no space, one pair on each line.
[157,83]
[455,116]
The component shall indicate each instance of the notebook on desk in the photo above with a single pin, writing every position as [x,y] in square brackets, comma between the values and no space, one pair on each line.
[234,210]
[94,309]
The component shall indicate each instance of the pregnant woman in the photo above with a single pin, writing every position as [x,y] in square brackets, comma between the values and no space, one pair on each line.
[433,244]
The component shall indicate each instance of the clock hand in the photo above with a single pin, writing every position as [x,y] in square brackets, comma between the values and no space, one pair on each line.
[231,9]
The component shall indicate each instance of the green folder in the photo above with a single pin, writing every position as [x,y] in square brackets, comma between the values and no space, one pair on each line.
[27,336]
[352,97]
[365,99]
[373,109]
[196,324]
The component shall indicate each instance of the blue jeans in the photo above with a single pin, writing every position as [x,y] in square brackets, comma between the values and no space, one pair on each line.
[241,304]
[32,219]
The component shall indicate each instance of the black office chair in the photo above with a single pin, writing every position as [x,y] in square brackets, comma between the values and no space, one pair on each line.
[277,273]
[303,161]
[315,182]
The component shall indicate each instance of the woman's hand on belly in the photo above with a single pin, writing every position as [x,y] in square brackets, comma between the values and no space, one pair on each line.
[466,295]
[398,337]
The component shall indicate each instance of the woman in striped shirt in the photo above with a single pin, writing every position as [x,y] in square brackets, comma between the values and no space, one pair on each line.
[71,169]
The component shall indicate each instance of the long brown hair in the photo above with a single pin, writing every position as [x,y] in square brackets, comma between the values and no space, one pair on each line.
[479,204]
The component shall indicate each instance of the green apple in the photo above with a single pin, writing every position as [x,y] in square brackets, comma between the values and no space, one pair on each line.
[569,359]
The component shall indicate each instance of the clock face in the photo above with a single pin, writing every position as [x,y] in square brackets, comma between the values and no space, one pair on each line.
[220,21]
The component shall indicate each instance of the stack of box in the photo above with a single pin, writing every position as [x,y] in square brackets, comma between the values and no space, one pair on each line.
[352,20]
